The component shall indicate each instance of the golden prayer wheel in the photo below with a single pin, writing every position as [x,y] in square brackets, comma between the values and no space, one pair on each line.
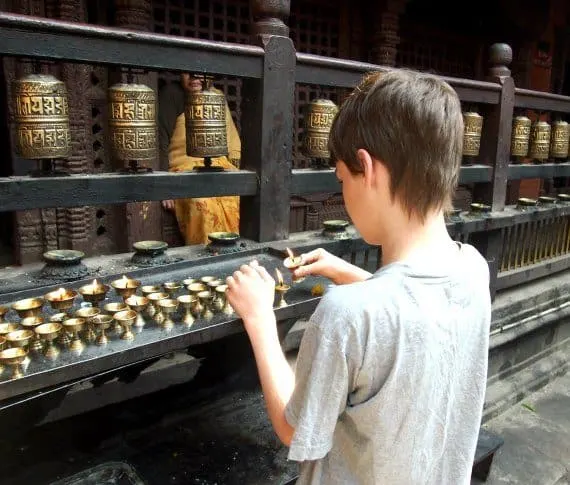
[473,126]
[206,130]
[318,122]
[539,140]
[520,137]
[41,115]
[559,139]
[132,122]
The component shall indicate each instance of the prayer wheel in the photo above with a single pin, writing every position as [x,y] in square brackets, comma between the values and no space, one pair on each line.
[41,115]
[472,128]
[539,140]
[132,122]
[318,122]
[520,136]
[206,130]
[559,140]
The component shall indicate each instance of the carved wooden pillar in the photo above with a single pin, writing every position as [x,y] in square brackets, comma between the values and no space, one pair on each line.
[267,125]
[77,220]
[143,219]
[386,39]
[270,17]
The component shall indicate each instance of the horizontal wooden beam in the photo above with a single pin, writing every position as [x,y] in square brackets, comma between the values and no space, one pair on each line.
[541,101]
[53,39]
[21,193]
[310,181]
[542,171]
[344,73]
[510,216]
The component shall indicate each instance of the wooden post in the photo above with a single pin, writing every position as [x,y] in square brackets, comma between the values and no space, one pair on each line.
[267,126]
[495,151]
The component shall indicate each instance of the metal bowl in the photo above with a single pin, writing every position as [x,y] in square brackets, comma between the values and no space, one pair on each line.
[150,248]
[224,238]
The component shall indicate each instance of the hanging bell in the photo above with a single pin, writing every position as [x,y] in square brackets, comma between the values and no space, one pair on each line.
[41,116]
[520,136]
[318,122]
[206,130]
[539,140]
[132,122]
[472,128]
[559,140]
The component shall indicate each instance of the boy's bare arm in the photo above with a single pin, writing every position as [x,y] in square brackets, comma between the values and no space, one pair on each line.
[251,292]
[276,376]
[322,263]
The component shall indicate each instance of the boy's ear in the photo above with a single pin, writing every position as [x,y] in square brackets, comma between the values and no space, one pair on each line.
[366,165]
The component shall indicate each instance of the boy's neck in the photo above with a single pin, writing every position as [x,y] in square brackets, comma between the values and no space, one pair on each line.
[410,238]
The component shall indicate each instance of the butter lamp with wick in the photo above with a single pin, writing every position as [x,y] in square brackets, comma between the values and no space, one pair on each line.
[61,299]
[293,262]
[281,288]
[94,293]
[125,287]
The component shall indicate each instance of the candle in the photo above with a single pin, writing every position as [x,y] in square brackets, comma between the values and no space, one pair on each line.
[60,295]
[90,289]
[279,278]
[281,286]
[124,281]
[292,261]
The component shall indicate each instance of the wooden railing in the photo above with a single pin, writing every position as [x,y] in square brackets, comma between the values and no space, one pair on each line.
[266,181]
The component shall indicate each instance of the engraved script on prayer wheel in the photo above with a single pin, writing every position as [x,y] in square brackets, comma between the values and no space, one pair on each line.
[206,131]
[539,140]
[41,115]
[318,122]
[132,121]
[520,136]
[559,139]
[473,126]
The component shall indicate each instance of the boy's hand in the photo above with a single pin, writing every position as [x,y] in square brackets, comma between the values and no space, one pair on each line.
[251,292]
[322,263]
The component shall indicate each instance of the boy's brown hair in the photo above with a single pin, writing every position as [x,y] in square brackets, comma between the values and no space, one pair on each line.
[412,123]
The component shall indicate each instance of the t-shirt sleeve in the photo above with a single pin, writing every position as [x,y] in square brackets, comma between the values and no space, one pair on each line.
[320,395]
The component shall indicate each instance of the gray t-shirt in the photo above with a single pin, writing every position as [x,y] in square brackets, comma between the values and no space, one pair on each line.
[391,376]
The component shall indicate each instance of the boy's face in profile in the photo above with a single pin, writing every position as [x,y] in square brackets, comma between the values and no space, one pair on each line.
[190,83]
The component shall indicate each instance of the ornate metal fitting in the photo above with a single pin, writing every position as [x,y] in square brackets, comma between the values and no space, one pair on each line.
[539,140]
[473,127]
[520,137]
[132,122]
[318,122]
[41,114]
[206,130]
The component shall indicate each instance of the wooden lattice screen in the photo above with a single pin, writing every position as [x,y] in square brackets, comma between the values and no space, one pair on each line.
[314,29]
[221,20]
[443,53]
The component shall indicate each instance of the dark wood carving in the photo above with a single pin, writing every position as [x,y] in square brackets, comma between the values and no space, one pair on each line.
[270,17]
[77,221]
[35,230]
[385,40]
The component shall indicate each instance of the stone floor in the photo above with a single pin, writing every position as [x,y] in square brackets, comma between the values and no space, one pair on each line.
[537,439]
[193,435]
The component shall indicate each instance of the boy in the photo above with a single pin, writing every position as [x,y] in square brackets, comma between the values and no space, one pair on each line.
[391,372]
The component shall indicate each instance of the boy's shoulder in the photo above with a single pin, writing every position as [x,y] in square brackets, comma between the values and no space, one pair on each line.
[342,308]
[389,290]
